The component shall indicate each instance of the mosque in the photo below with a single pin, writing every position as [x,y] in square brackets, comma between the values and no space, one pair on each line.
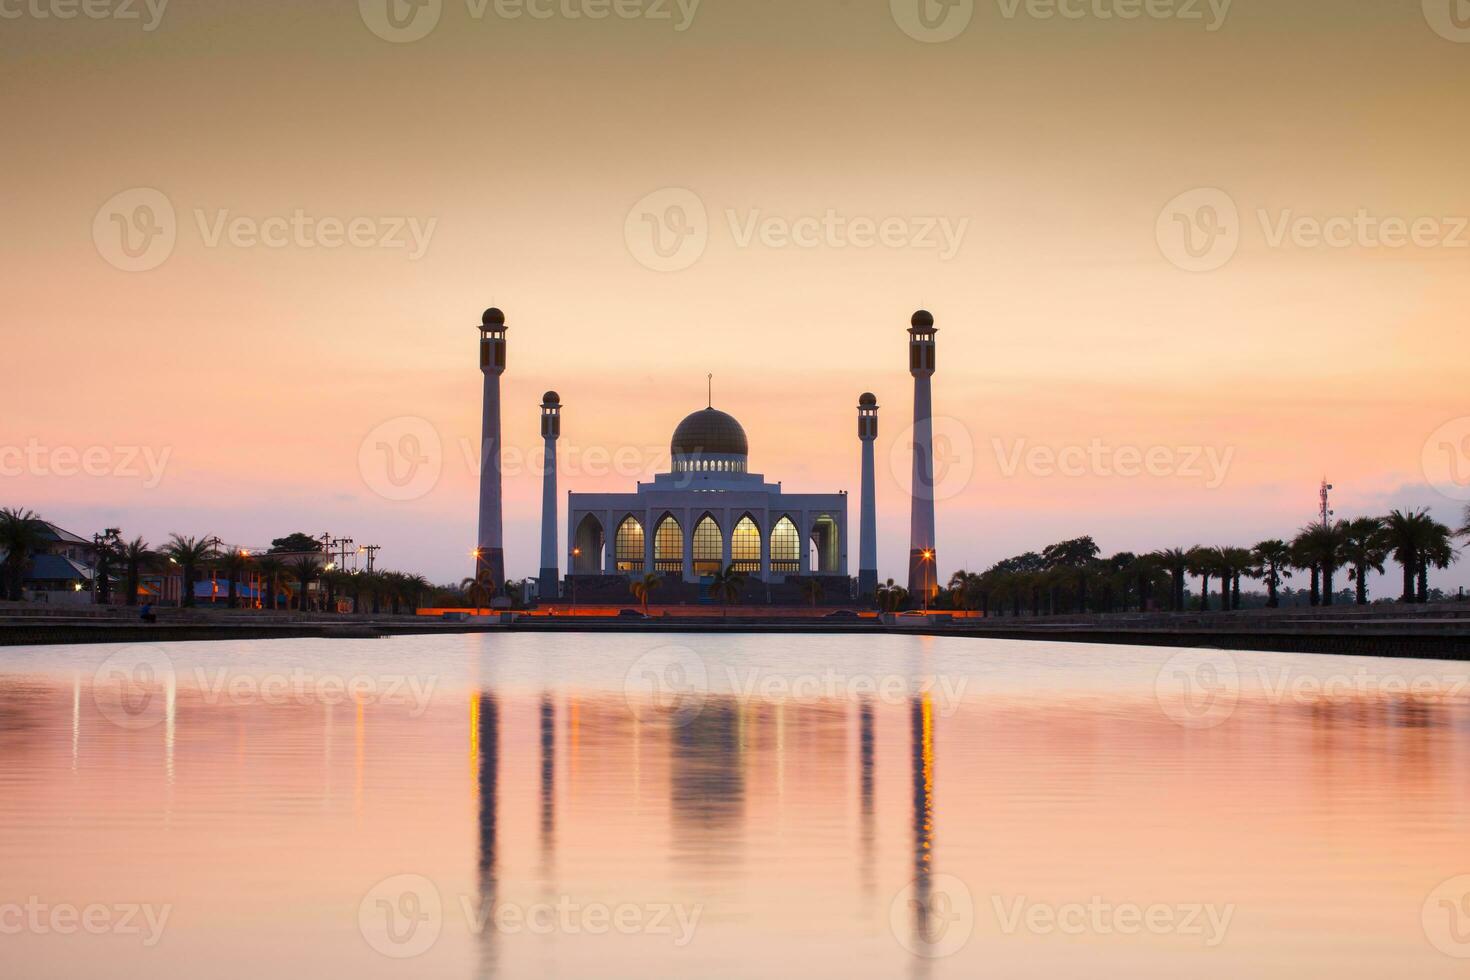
[709,512]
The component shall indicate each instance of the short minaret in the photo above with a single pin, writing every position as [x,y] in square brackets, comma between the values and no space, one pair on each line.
[490,544]
[923,555]
[550,579]
[868,524]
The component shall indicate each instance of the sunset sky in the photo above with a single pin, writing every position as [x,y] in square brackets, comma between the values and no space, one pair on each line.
[520,148]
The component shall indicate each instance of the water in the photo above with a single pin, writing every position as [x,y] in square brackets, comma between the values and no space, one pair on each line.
[636,805]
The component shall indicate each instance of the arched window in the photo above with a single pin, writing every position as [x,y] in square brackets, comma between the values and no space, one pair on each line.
[668,546]
[709,549]
[629,545]
[785,547]
[745,546]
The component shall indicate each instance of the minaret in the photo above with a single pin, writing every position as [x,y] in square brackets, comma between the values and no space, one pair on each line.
[550,580]
[868,527]
[923,555]
[490,547]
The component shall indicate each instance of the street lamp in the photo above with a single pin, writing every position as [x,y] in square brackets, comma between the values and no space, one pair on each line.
[576,553]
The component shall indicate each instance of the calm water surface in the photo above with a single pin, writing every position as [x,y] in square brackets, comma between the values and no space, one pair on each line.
[632,806]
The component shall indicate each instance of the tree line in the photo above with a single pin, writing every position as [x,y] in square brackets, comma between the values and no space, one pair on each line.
[1072,575]
[285,572]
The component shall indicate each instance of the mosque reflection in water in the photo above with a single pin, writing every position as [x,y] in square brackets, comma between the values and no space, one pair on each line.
[714,761]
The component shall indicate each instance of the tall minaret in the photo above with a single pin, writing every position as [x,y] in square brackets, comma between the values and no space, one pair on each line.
[490,547]
[923,555]
[868,527]
[550,580]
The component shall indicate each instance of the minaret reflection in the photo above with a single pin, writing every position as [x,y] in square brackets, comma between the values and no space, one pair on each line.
[921,743]
[485,750]
[865,790]
[548,786]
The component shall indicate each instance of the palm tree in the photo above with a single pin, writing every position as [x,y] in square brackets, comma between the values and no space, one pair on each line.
[1274,559]
[234,564]
[1176,562]
[1319,546]
[1438,551]
[812,590]
[190,554]
[642,588]
[20,535]
[1202,563]
[136,557]
[1405,535]
[1364,548]
[396,585]
[479,589]
[334,582]
[728,585]
[891,596]
[417,585]
[1232,563]
[303,569]
[270,569]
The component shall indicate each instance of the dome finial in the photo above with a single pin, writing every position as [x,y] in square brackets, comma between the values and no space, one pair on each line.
[710,402]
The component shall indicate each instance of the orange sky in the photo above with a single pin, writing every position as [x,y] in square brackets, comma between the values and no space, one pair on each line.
[524,144]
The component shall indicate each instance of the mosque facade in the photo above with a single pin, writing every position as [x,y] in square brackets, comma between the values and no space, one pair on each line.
[708,513]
